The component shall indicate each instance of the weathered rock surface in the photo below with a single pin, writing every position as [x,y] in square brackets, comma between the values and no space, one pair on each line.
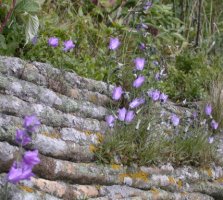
[72,111]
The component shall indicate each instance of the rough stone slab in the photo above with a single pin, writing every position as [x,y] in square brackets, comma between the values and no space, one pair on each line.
[51,146]
[47,115]
[9,124]
[37,94]
[45,75]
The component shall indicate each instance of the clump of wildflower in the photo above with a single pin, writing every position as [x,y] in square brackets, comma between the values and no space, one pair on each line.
[117,93]
[175,120]
[139,63]
[114,43]
[53,42]
[139,81]
[68,45]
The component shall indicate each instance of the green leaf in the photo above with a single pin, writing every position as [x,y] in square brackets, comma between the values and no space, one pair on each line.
[32,26]
[30,6]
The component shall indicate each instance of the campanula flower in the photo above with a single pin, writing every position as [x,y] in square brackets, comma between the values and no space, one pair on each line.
[208,109]
[214,124]
[31,123]
[163,97]
[68,45]
[139,63]
[129,116]
[53,42]
[22,137]
[155,63]
[117,93]
[122,113]
[136,102]
[175,120]
[148,5]
[210,140]
[154,94]
[19,171]
[142,46]
[110,119]
[139,81]
[31,158]
[114,43]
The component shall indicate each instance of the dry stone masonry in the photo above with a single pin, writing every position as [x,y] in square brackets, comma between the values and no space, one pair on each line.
[72,111]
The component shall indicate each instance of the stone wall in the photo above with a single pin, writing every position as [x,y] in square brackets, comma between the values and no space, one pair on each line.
[72,111]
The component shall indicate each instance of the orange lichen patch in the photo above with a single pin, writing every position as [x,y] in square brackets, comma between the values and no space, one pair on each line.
[92,148]
[87,132]
[140,175]
[115,167]
[155,192]
[219,180]
[137,175]
[100,137]
[180,183]
[172,180]
[25,188]
[52,135]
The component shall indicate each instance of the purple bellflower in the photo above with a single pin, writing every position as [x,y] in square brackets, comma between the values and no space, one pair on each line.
[148,5]
[110,119]
[68,45]
[122,113]
[175,120]
[139,81]
[19,171]
[31,158]
[114,43]
[214,124]
[22,137]
[139,63]
[31,123]
[53,42]
[163,97]
[129,116]
[136,102]
[142,46]
[208,109]
[117,93]
[154,94]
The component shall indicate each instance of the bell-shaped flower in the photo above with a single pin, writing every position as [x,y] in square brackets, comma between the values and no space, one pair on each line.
[31,158]
[114,43]
[154,94]
[19,171]
[175,120]
[53,42]
[208,109]
[31,123]
[22,137]
[122,113]
[139,63]
[163,97]
[110,119]
[129,116]
[214,124]
[68,45]
[136,102]
[139,81]
[117,93]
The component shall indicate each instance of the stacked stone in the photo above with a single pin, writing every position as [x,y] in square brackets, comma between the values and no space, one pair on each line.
[72,111]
